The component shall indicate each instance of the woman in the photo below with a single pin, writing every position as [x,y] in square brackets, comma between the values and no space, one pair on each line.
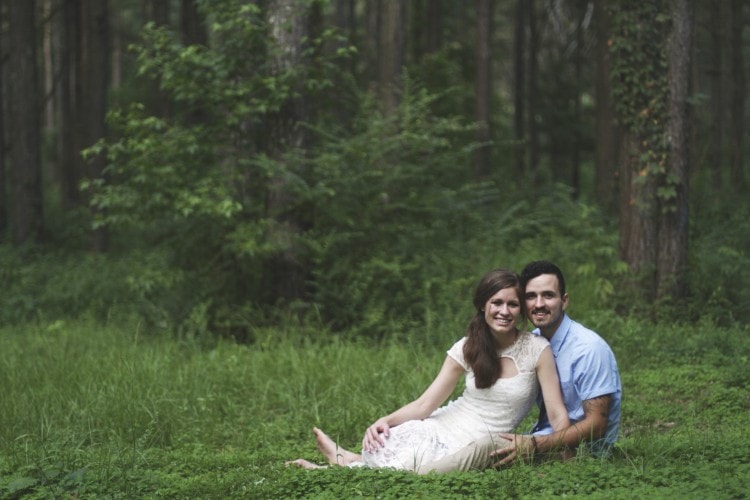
[503,368]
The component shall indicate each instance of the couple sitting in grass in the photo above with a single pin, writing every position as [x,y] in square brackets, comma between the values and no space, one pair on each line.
[504,369]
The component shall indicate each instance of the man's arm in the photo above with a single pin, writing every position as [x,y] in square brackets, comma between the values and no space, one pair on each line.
[592,427]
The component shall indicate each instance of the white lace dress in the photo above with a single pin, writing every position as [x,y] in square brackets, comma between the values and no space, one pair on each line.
[475,414]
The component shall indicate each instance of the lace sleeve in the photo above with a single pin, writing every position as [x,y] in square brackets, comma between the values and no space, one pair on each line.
[526,351]
[457,353]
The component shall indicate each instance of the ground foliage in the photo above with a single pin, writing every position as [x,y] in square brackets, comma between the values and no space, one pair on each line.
[108,410]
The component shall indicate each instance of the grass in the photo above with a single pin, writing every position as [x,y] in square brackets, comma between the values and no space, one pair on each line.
[91,410]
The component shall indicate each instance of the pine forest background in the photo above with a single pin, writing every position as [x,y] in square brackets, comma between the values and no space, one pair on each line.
[214,168]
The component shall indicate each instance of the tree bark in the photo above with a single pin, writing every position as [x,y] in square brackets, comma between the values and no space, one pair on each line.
[95,75]
[288,28]
[606,149]
[739,97]
[716,86]
[3,143]
[434,26]
[673,227]
[70,93]
[391,54]
[519,85]
[483,90]
[192,24]
[637,226]
[25,115]
[533,92]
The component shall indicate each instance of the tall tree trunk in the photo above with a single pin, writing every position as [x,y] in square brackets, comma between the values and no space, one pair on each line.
[192,24]
[391,54]
[157,11]
[3,127]
[70,94]
[575,154]
[288,28]
[739,96]
[24,113]
[49,70]
[434,26]
[371,41]
[533,92]
[606,149]
[638,230]
[519,86]
[716,85]
[95,74]
[673,227]
[483,112]
[640,92]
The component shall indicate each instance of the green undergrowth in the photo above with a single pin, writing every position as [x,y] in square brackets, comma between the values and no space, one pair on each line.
[92,410]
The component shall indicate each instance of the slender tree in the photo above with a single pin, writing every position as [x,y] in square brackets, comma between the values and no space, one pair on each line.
[434,30]
[3,115]
[94,83]
[533,91]
[24,106]
[391,53]
[288,23]
[716,88]
[483,85]
[606,133]
[519,84]
[192,24]
[738,99]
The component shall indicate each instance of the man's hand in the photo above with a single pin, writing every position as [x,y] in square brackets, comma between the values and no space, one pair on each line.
[519,445]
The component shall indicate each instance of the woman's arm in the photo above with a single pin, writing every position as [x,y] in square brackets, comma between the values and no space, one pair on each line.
[546,372]
[420,408]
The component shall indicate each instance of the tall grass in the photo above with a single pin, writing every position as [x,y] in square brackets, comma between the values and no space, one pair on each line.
[114,411]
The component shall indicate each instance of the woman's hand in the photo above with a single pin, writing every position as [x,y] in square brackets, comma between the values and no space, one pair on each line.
[375,436]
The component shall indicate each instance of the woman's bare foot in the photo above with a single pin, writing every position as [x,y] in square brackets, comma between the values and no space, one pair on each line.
[301,462]
[333,453]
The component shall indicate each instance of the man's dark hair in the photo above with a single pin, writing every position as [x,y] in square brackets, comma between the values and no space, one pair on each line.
[539,267]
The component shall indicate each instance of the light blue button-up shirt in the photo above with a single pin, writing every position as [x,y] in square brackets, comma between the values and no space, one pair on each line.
[587,369]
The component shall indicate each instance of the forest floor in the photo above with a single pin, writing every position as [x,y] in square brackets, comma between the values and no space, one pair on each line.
[94,411]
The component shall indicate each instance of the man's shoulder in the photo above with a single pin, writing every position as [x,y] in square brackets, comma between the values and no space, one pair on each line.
[584,337]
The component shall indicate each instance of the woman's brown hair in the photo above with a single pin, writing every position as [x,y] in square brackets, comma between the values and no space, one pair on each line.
[480,349]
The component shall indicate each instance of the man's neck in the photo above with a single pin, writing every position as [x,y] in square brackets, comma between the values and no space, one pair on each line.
[549,331]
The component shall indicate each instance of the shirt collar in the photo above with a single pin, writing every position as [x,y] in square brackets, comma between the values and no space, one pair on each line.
[560,334]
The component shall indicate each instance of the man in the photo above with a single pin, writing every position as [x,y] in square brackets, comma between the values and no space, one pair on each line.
[589,379]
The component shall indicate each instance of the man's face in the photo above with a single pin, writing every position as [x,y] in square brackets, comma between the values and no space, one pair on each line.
[544,303]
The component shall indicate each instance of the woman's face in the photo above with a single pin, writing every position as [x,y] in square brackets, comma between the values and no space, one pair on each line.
[502,311]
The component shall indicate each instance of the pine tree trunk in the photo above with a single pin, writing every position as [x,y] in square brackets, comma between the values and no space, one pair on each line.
[716,85]
[519,85]
[607,144]
[483,112]
[95,74]
[673,230]
[24,113]
[192,24]
[3,150]
[533,92]
[391,53]
[739,96]
[286,276]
